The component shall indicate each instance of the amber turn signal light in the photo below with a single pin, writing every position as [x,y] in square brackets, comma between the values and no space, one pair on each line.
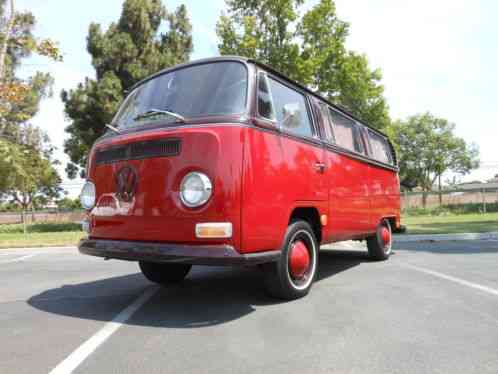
[213,230]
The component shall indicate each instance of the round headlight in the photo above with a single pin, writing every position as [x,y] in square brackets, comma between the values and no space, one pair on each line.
[87,196]
[195,189]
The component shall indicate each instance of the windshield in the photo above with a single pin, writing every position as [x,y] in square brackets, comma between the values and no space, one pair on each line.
[202,90]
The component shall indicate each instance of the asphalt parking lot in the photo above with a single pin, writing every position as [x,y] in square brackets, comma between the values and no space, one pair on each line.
[433,307]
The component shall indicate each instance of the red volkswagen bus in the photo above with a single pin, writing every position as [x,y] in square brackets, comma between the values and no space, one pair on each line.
[226,161]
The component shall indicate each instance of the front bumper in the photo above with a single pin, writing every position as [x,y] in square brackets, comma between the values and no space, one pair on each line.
[177,253]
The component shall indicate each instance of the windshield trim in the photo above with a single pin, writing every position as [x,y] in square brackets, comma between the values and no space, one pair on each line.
[186,66]
[200,122]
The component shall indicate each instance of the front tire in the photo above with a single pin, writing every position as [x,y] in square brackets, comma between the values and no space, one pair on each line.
[292,276]
[380,245]
[164,273]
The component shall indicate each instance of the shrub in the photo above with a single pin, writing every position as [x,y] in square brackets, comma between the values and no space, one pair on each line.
[40,227]
[452,209]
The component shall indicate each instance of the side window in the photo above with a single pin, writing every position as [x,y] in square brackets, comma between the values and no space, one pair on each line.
[380,148]
[291,109]
[265,105]
[327,123]
[346,132]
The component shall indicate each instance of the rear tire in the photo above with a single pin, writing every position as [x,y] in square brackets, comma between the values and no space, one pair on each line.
[380,245]
[164,273]
[292,276]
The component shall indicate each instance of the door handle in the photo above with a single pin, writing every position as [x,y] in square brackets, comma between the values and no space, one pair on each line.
[320,167]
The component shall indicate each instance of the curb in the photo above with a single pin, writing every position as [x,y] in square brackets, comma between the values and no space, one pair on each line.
[445,237]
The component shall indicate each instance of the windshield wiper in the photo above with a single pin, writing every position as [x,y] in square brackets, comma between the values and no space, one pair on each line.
[155,112]
[111,127]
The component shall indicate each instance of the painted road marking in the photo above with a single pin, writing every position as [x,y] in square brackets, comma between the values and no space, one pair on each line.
[38,249]
[22,258]
[463,282]
[84,350]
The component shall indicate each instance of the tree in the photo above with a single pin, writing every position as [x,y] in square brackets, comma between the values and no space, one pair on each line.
[19,98]
[309,49]
[125,53]
[26,168]
[27,173]
[67,203]
[428,148]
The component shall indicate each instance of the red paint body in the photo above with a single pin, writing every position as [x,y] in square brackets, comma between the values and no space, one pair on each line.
[259,175]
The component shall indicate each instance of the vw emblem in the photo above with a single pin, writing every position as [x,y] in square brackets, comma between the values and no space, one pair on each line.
[126,183]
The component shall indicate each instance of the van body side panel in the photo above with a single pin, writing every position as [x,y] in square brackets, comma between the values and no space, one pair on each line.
[264,191]
[279,175]
[348,181]
[156,213]
[384,194]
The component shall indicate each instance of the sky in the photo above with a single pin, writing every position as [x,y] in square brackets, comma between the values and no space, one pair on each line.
[438,56]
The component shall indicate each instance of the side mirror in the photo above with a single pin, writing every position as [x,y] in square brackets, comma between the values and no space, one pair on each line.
[291,113]
[408,183]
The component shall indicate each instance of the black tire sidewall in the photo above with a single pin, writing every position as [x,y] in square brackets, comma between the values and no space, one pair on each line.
[375,245]
[280,281]
[164,273]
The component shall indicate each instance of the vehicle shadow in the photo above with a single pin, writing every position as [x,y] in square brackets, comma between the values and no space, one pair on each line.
[209,296]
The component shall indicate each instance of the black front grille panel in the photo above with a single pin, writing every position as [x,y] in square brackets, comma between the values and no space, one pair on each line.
[139,150]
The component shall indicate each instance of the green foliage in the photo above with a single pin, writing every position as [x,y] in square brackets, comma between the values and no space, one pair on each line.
[20,98]
[69,204]
[309,49]
[26,169]
[451,224]
[421,211]
[27,173]
[125,53]
[10,207]
[40,227]
[22,42]
[26,103]
[468,208]
[427,148]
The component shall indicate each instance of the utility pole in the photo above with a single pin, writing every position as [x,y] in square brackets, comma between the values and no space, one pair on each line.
[483,191]
[7,32]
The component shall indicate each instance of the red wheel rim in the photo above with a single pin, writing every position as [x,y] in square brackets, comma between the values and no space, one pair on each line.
[299,259]
[385,236]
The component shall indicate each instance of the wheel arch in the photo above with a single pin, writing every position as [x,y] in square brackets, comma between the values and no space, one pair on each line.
[391,220]
[311,215]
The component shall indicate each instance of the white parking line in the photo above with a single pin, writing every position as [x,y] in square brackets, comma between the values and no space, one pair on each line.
[84,350]
[460,281]
[22,258]
[37,249]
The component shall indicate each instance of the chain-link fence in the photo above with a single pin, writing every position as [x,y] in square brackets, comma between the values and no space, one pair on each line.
[41,216]
[458,201]
[482,200]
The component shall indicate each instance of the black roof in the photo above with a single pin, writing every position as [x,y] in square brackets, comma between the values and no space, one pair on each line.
[263,66]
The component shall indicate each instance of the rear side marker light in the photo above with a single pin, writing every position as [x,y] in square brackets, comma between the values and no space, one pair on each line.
[213,230]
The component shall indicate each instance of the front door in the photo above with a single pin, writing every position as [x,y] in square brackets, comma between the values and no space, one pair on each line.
[303,151]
